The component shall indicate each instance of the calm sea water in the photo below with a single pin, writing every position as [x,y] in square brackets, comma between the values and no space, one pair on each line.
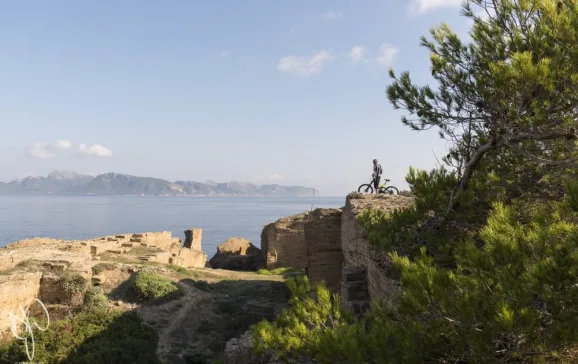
[89,217]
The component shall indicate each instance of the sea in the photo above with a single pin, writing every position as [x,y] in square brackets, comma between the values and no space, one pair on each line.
[87,217]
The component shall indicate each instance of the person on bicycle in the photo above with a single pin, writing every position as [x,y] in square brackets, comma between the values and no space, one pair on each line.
[377,171]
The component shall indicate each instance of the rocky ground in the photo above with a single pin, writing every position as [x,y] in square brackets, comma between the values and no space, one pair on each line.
[216,305]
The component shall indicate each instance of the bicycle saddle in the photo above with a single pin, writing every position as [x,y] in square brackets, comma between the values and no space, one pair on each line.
[386,180]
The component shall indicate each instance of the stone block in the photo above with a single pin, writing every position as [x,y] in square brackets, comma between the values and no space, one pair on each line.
[193,239]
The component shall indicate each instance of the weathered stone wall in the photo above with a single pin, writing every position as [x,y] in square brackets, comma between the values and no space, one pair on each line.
[323,243]
[358,252]
[283,243]
[193,238]
[355,289]
[16,290]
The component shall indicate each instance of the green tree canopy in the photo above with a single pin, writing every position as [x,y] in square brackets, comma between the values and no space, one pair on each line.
[514,87]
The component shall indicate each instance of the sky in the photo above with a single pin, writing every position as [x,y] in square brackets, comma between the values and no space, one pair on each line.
[287,92]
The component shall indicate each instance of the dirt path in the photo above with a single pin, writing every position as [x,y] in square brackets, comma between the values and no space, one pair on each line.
[173,320]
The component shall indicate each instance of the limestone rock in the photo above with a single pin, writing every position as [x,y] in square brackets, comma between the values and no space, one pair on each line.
[237,254]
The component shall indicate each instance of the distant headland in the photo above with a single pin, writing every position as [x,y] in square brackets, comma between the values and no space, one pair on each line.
[67,183]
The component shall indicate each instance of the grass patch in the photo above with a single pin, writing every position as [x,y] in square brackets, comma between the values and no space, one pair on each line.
[151,286]
[184,271]
[284,271]
[93,336]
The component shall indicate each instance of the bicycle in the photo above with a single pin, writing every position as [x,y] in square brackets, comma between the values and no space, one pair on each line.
[382,188]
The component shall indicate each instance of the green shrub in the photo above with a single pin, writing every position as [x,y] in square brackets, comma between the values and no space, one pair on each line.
[151,286]
[513,299]
[279,271]
[298,330]
[72,284]
[183,271]
[90,337]
[94,299]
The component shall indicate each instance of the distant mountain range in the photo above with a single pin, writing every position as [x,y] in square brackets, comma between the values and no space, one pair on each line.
[72,183]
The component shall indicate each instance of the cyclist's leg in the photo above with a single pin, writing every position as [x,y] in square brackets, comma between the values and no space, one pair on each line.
[376,184]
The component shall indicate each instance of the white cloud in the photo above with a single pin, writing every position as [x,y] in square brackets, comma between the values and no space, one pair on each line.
[275,177]
[356,53]
[64,144]
[304,66]
[96,150]
[332,15]
[226,53]
[387,53]
[423,6]
[40,150]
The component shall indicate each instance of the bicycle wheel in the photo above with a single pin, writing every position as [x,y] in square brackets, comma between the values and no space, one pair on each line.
[391,190]
[365,188]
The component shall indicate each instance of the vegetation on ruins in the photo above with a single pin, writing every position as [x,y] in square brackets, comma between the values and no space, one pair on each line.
[72,284]
[487,255]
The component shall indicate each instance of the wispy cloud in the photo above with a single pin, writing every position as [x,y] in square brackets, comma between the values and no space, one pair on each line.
[387,53]
[41,150]
[423,6]
[332,15]
[356,53]
[96,150]
[226,53]
[64,144]
[304,66]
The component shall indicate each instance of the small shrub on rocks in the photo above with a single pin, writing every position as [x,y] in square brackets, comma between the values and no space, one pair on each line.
[72,284]
[151,286]
[94,299]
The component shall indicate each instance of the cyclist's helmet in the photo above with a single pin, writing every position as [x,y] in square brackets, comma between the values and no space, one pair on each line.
[375,161]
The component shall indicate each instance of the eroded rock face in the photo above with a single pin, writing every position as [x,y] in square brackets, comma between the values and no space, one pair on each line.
[237,254]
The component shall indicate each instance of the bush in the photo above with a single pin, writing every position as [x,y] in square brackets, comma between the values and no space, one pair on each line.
[299,329]
[72,284]
[94,299]
[513,299]
[90,337]
[151,286]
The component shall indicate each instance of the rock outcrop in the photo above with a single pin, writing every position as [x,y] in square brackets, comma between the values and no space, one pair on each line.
[237,254]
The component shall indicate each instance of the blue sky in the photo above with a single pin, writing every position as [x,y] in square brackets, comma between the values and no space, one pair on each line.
[291,92]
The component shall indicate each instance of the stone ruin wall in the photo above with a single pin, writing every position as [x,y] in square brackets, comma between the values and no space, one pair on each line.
[323,245]
[358,252]
[283,243]
[18,290]
[54,256]
[332,246]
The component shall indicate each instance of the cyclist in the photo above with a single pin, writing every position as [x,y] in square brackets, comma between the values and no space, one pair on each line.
[377,171]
